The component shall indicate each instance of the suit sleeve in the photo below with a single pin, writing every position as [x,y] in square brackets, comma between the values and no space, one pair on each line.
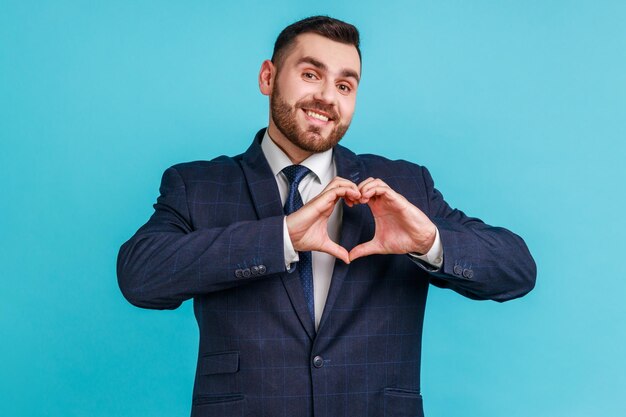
[167,262]
[479,261]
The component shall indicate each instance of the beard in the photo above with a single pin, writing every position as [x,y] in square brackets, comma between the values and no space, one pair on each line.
[311,139]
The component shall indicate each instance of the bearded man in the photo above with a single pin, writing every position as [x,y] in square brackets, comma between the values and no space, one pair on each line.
[309,265]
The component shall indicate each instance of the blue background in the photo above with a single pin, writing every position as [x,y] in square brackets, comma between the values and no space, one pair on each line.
[518,108]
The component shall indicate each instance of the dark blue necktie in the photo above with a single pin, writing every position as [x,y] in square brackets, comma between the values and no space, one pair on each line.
[295,174]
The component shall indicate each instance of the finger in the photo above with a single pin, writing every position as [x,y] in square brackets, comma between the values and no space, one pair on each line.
[325,202]
[349,202]
[338,181]
[336,250]
[365,249]
[378,192]
[348,193]
[377,182]
[368,180]
[341,182]
[365,189]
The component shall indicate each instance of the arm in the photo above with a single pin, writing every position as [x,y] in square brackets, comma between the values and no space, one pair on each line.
[480,261]
[167,262]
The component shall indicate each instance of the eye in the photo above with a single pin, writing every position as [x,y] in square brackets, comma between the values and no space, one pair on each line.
[344,88]
[309,76]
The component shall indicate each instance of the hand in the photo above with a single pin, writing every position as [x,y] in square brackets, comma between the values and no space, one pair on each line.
[400,226]
[308,226]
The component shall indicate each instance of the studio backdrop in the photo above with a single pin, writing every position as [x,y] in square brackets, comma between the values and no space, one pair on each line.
[518,109]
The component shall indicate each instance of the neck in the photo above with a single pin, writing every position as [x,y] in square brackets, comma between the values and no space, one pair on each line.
[296,155]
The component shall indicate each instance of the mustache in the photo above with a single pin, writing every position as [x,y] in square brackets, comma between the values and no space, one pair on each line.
[317,105]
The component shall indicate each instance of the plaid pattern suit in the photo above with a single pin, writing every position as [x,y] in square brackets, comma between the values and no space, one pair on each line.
[216,236]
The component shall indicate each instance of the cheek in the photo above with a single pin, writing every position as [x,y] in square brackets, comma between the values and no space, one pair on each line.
[299,88]
[346,109]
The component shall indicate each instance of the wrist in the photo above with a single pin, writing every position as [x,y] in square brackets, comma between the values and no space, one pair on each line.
[425,241]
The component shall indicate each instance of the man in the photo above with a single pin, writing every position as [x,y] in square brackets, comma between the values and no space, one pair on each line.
[309,265]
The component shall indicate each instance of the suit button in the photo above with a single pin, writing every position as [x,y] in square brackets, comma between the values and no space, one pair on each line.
[318,361]
[458,270]
[254,270]
[468,273]
[262,269]
[239,273]
[246,273]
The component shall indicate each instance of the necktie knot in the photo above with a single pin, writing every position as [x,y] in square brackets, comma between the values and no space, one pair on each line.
[295,174]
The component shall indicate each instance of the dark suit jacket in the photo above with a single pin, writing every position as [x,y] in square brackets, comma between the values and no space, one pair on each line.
[217,236]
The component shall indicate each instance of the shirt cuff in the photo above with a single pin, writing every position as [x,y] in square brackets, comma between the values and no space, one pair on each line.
[291,255]
[434,256]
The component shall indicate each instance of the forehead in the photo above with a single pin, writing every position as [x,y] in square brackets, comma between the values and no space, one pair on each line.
[336,56]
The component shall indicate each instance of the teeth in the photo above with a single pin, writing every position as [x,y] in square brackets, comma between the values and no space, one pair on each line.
[317,116]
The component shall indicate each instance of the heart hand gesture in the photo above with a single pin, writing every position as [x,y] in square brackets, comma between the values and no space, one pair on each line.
[400,226]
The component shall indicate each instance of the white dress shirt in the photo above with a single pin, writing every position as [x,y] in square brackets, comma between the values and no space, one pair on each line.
[323,170]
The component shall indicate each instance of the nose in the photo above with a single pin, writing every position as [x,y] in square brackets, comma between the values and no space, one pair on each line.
[326,93]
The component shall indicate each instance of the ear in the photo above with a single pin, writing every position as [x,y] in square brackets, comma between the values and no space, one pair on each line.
[266,77]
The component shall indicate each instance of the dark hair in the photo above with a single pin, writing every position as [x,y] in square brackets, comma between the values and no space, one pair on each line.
[325,26]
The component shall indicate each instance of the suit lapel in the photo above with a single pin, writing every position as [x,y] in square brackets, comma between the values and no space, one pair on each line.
[261,181]
[266,200]
[349,167]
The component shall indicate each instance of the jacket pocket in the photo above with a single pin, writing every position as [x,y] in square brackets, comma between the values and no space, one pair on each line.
[218,405]
[219,363]
[399,402]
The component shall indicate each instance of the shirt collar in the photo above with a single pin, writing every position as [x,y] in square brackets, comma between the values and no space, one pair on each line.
[321,164]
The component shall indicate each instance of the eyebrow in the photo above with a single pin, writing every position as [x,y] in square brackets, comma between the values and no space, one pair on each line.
[321,66]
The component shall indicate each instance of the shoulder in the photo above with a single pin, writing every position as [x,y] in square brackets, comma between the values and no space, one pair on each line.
[200,167]
[375,165]
[221,170]
[398,171]
[379,163]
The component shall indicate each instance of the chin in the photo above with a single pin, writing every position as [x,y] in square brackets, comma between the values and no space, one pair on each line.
[314,142]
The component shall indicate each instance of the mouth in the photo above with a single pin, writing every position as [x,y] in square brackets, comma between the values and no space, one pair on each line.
[317,116]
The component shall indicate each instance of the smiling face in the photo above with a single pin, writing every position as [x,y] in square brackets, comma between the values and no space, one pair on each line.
[312,94]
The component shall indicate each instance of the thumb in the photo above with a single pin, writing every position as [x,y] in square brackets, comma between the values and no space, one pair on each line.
[364,249]
[336,250]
